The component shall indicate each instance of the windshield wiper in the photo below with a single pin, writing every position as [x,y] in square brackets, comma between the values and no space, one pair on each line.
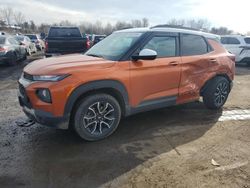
[95,55]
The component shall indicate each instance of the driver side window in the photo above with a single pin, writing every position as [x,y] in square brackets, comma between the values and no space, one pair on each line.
[164,46]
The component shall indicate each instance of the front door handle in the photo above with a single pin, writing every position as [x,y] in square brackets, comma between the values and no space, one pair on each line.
[174,63]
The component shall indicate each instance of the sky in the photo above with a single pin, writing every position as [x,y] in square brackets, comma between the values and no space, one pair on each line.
[230,13]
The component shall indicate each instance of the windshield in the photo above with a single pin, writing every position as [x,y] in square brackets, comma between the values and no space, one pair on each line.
[19,38]
[32,37]
[247,40]
[114,46]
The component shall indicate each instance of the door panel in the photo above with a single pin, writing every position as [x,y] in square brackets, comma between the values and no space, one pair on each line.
[154,79]
[159,78]
[195,70]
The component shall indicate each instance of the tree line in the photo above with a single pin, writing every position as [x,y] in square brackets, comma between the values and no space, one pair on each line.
[9,16]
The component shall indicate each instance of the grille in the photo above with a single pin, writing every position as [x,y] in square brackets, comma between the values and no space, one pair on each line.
[22,90]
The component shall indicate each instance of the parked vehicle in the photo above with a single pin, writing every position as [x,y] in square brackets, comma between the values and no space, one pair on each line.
[128,72]
[40,45]
[238,45]
[65,40]
[10,50]
[26,42]
[97,38]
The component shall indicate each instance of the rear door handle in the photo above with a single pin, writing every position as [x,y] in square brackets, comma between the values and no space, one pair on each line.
[174,63]
[213,60]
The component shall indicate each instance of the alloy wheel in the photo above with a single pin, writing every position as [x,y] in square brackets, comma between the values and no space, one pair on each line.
[99,118]
[221,93]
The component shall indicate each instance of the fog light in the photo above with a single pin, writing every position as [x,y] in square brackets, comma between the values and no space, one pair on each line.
[44,95]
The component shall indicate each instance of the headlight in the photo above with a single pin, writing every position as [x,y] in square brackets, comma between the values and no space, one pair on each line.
[44,95]
[50,78]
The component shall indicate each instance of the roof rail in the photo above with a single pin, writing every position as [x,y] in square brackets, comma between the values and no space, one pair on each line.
[174,26]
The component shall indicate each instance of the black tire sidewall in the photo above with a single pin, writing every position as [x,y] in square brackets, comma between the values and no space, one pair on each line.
[209,97]
[83,107]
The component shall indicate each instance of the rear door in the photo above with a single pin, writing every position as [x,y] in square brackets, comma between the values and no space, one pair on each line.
[195,63]
[158,79]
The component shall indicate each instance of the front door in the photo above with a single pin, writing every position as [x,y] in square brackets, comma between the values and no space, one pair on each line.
[156,79]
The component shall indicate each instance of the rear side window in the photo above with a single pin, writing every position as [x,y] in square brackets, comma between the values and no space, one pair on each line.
[164,46]
[2,40]
[229,40]
[64,32]
[247,40]
[193,45]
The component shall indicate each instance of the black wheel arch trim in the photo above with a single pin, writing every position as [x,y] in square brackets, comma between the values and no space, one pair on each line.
[93,86]
[204,87]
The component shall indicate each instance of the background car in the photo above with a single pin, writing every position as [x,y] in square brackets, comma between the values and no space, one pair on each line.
[65,40]
[10,50]
[97,38]
[40,45]
[26,42]
[238,45]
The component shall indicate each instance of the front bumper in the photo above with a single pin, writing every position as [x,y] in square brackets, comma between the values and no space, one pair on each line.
[40,116]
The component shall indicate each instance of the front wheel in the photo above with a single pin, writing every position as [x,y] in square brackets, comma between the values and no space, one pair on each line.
[96,117]
[216,93]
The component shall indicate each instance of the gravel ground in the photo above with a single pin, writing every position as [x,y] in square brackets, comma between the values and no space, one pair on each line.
[171,147]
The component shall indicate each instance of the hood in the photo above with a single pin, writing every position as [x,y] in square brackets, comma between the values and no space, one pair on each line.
[66,64]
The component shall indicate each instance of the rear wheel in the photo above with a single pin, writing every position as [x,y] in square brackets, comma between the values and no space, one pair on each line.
[96,117]
[216,94]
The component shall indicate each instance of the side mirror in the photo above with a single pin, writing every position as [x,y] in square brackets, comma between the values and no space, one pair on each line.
[145,54]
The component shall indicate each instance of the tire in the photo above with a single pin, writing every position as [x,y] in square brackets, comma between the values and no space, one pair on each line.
[96,117]
[13,60]
[216,93]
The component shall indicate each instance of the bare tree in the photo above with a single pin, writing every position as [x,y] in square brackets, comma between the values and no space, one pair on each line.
[180,22]
[7,14]
[66,23]
[32,26]
[19,18]
[221,31]
[200,24]
[145,22]
[136,23]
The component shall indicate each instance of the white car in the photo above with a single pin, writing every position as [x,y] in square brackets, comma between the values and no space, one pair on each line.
[239,45]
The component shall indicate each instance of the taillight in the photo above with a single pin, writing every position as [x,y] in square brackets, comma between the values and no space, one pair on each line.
[3,49]
[88,44]
[46,46]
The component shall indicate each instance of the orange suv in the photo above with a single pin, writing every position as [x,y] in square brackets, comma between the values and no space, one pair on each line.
[128,72]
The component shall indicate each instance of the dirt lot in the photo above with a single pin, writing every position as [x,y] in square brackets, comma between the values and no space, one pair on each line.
[172,147]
